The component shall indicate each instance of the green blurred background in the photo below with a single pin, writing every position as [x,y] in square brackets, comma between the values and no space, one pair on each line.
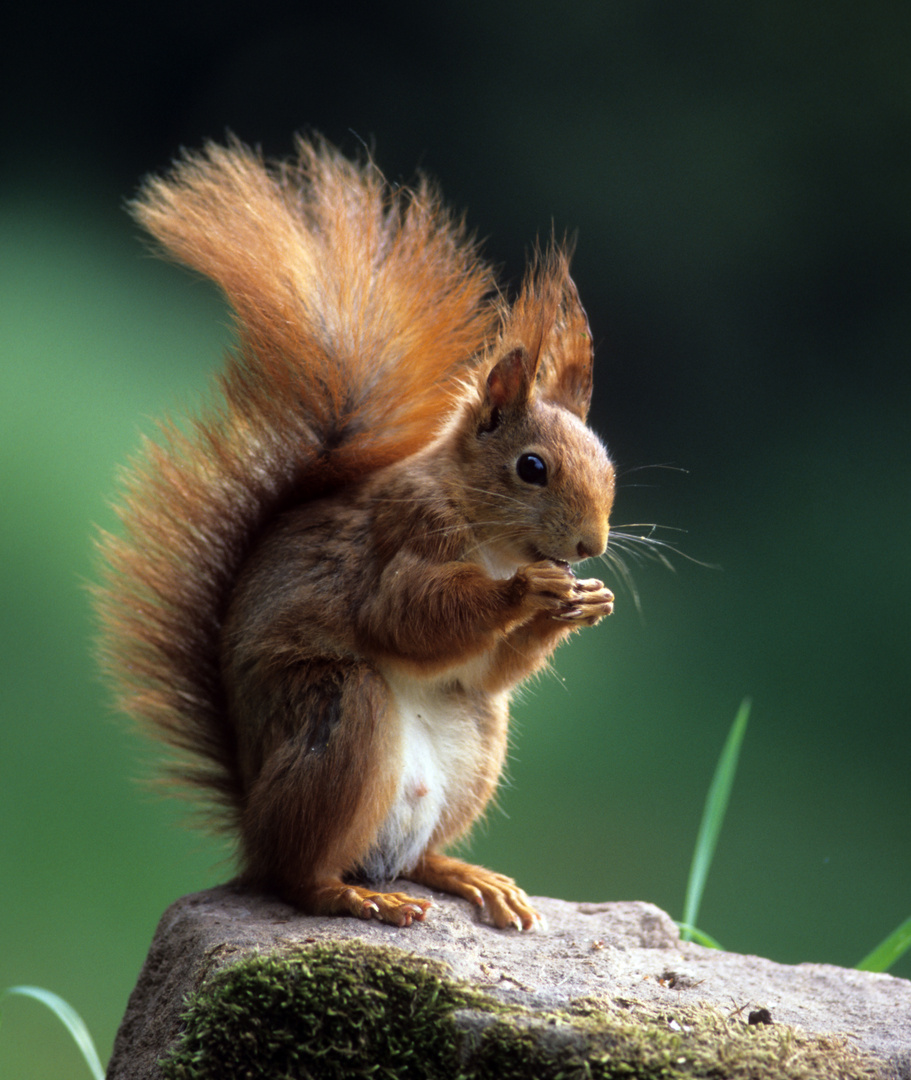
[738,176]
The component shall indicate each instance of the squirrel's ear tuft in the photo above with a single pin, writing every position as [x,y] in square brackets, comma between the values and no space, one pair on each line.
[548,318]
[567,376]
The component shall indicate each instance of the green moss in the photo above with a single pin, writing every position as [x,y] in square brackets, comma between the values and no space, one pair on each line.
[604,1040]
[350,1010]
[337,1010]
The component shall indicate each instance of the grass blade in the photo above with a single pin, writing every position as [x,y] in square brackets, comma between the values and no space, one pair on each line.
[716,803]
[887,952]
[70,1019]
[693,933]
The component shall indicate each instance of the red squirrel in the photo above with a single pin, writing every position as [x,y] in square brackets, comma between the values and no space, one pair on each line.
[328,587]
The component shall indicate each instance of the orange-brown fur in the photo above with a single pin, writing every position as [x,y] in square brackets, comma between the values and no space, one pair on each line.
[327,589]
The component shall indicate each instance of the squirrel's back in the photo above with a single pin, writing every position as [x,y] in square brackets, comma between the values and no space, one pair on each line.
[360,309]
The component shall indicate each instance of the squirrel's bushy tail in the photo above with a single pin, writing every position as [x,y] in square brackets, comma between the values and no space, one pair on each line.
[359,310]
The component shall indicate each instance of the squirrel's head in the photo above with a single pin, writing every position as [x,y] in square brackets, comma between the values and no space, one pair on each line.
[538,482]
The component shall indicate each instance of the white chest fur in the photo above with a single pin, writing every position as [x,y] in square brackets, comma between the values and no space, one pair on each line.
[438,751]
[496,564]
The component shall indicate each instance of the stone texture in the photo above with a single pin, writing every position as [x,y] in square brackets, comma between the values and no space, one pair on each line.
[627,951]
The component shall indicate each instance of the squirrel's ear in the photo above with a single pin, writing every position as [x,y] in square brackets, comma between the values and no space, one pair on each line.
[567,378]
[511,380]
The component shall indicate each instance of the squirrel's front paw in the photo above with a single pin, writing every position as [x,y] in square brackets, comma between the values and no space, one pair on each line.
[549,585]
[553,588]
[590,602]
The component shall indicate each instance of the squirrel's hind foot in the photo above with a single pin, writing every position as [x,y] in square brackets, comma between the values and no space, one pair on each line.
[505,903]
[337,898]
[397,909]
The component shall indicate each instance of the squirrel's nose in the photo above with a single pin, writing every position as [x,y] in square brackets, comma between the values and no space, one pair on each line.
[592,544]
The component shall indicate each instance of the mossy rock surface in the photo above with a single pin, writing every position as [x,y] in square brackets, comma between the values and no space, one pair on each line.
[350,1010]
[237,985]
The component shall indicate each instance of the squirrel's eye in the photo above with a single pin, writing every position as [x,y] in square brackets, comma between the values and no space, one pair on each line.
[531,469]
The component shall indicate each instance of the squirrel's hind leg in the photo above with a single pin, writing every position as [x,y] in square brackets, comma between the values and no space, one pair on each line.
[314,808]
[504,901]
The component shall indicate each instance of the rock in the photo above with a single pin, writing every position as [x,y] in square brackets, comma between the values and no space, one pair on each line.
[602,982]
